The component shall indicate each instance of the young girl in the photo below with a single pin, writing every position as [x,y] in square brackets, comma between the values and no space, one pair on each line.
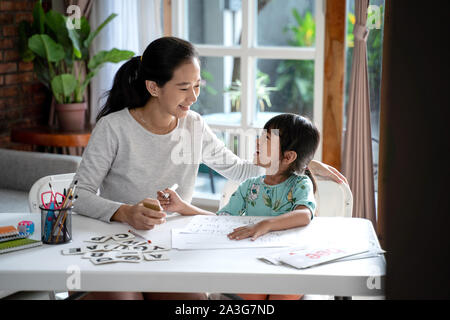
[285,193]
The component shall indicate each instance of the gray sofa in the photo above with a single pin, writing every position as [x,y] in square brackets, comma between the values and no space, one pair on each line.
[19,170]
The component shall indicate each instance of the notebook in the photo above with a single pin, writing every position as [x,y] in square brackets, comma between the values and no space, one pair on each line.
[10,233]
[302,258]
[18,244]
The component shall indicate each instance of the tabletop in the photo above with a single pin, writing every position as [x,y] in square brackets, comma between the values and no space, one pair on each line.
[46,136]
[220,270]
[68,142]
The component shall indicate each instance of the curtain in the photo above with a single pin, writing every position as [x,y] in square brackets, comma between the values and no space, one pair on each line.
[138,23]
[357,156]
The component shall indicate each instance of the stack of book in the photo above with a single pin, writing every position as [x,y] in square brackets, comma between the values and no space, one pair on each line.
[11,240]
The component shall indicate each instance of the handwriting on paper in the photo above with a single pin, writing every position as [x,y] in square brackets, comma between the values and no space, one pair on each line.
[219,224]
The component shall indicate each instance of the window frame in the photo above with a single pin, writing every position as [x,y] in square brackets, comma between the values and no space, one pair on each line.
[248,52]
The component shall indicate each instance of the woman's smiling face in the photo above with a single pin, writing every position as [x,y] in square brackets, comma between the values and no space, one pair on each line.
[181,92]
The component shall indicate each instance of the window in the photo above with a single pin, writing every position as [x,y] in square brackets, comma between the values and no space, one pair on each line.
[259,58]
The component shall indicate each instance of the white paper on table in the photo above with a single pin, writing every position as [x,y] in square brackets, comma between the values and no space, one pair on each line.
[219,224]
[192,241]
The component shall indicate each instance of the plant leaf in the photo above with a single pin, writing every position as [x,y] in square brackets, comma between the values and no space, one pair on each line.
[63,85]
[113,55]
[296,15]
[57,24]
[38,18]
[75,38]
[91,36]
[87,80]
[85,29]
[46,47]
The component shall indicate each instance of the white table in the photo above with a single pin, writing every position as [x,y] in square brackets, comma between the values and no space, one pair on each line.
[229,270]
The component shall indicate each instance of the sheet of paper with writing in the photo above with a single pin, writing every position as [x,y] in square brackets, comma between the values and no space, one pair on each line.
[210,232]
[219,224]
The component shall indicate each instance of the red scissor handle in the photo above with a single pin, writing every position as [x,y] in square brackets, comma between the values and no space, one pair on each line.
[53,199]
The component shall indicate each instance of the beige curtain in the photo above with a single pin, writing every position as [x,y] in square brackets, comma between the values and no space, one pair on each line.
[357,156]
[138,24]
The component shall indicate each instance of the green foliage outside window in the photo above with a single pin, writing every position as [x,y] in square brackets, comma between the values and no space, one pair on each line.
[296,77]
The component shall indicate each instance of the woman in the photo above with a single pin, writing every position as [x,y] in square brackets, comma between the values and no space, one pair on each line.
[147,139]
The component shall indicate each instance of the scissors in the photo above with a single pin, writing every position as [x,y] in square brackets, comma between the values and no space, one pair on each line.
[54,197]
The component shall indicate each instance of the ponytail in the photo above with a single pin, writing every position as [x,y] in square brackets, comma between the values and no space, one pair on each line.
[128,90]
[313,180]
[157,64]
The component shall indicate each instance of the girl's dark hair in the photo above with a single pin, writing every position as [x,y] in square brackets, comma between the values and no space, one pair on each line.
[297,134]
[158,64]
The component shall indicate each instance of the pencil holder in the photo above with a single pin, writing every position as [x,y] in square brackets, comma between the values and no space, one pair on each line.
[56,225]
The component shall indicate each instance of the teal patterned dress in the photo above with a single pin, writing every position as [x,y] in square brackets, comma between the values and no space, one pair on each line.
[256,198]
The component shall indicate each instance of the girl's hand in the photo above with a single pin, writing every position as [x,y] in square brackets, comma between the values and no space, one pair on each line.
[173,203]
[254,231]
[323,170]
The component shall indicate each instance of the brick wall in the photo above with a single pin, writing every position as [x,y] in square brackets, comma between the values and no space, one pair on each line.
[24,102]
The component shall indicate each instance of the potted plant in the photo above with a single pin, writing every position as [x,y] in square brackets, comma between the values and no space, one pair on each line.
[60,54]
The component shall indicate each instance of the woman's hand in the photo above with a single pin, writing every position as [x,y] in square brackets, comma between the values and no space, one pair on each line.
[173,203]
[254,231]
[323,170]
[139,217]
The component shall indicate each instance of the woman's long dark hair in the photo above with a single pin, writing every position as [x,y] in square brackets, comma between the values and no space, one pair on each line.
[158,63]
[297,134]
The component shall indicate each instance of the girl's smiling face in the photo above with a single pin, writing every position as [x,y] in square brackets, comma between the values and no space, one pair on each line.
[267,153]
[181,92]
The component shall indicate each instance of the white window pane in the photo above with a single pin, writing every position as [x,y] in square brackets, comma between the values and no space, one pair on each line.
[284,86]
[219,100]
[214,22]
[286,23]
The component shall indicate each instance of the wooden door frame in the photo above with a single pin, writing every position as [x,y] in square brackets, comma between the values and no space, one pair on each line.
[334,81]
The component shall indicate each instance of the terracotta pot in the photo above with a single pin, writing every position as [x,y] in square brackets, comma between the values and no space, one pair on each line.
[71,116]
